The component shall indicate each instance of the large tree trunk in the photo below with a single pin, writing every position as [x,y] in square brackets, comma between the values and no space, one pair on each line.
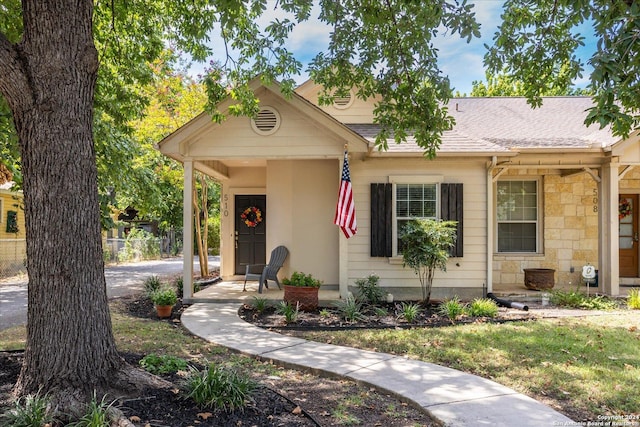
[48,81]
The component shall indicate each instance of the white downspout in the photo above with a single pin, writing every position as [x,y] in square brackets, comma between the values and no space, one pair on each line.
[489,242]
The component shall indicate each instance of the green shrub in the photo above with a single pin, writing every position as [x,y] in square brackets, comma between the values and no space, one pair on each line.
[163,364]
[139,245]
[96,415]
[369,291]
[179,285]
[483,307]
[349,309]
[151,285]
[567,299]
[410,311]
[289,312]
[451,308]
[220,388]
[599,302]
[633,300]
[575,299]
[29,411]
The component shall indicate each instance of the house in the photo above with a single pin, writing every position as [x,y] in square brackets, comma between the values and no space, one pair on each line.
[530,188]
[12,232]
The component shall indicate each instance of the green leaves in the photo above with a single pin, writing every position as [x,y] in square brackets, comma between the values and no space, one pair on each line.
[536,45]
[385,50]
[425,248]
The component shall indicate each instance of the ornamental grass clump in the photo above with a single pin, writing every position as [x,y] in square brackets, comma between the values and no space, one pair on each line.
[289,311]
[451,308]
[260,304]
[28,411]
[96,415]
[152,284]
[350,309]
[410,311]
[220,388]
[633,299]
[482,307]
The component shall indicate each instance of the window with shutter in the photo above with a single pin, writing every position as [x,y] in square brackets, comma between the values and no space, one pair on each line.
[451,210]
[412,201]
[381,220]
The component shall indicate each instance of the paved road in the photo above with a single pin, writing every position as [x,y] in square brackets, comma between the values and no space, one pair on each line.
[121,279]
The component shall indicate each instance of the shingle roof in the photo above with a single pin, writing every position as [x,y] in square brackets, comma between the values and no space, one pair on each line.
[452,142]
[500,124]
[512,123]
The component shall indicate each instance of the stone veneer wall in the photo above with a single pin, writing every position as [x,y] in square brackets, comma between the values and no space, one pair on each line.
[570,238]
[630,184]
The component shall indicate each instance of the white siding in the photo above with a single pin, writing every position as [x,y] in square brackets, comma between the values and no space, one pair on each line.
[471,271]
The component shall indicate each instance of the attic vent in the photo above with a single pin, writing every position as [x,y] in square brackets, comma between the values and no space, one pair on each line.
[343,102]
[266,122]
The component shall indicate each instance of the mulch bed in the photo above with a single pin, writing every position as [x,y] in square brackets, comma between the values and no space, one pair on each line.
[330,319]
[290,399]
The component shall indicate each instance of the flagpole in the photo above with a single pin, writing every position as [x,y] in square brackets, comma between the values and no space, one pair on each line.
[345,216]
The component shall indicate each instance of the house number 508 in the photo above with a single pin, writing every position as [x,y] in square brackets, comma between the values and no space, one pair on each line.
[595,200]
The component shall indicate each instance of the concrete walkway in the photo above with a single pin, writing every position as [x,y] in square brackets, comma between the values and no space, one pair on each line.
[453,397]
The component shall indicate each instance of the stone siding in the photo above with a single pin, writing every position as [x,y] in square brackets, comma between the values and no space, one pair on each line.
[570,237]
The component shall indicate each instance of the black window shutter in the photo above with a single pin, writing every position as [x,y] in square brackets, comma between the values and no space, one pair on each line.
[451,210]
[381,217]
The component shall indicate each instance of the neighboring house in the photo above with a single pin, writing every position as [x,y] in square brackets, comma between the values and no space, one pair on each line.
[12,232]
[529,188]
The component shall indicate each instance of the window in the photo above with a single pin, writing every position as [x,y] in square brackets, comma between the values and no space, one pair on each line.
[393,204]
[414,201]
[517,214]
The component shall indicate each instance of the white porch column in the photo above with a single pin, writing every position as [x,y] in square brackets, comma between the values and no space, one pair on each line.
[609,263]
[187,233]
[490,231]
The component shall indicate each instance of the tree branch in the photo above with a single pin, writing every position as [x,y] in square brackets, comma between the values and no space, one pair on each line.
[14,84]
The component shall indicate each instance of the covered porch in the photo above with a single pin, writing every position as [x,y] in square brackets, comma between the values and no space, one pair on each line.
[231,291]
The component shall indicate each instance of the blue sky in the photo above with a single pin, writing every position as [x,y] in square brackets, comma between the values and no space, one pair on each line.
[461,61]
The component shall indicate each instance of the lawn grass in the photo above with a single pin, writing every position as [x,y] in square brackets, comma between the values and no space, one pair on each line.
[13,338]
[584,367]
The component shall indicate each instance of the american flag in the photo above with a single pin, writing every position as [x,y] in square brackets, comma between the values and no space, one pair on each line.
[345,209]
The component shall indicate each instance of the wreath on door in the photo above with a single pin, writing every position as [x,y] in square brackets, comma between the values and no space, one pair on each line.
[624,208]
[252,216]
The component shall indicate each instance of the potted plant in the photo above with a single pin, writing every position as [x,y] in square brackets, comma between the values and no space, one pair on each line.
[302,289]
[164,299]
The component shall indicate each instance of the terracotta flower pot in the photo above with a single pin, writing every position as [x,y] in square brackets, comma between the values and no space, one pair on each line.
[306,296]
[164,311]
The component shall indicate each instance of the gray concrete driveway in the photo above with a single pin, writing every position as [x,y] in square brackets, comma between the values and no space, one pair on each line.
[123,279]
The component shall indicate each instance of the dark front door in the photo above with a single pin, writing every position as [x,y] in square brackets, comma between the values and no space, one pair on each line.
[628,234]
[250,231]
